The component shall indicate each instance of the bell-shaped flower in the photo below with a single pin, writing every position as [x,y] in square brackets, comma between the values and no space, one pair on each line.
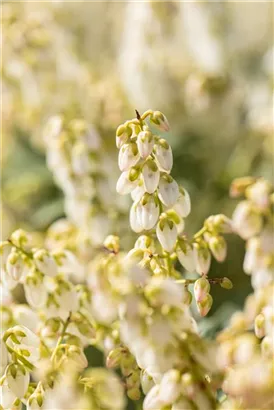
[170,387]
[159,120]
[7,281]
[218,247]
[247,221]
[35,291]
[138,192]
[166,233]
[186,255]
[123,133]
[164,291]
[147,212]
[145,142]
[133,219]
[27,343]
[45,262]
[183,203]
[127,181]
[18,379]
[252,259]
[15,265]
[168,190]
[151,176]
[25,316]
[128,156]
[7,396]
[259,193]
[163,155]
[202,258]
[152,400]
[146,382]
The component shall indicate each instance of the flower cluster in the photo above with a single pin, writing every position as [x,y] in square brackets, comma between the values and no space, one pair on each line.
[73,155]
[248,357]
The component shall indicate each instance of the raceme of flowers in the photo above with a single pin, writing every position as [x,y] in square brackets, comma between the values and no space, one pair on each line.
[134,305]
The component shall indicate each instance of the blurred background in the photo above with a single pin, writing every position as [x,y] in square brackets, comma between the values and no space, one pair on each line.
[207,65]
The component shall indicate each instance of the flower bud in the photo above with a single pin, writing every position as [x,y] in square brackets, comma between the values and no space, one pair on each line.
[145,142]
[163,155]
[78,357]
[170,387]
[134,393]
[35,291]
[259,193]
[151,176]
[160,121]
[18,379]
[183,203]
[112,243]
[15,265]
[221,223]
[166,232]
[45,262]
[185,255]
[21,239]
[147,212]
[168,190]
[127,181]
[146,381]
[218,247]
[114,357]
[239,186]
[246,220]
[260,326]
[202,258]
[267,347]
[123,133]
[128,156]
[205,305]
[201,289]
[226,283]
[144,242]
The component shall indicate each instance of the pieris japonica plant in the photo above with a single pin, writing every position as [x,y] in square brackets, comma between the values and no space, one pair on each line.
[79,289]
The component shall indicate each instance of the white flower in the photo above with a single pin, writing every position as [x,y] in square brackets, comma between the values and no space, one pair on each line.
[183,204]
[45,262]
[218,247]
[7,280]
[167,234]
[53,128]
[125,183]
[164,292]
[25,316]
[259,193]
[151,176]
[67,299]
[160,121]
[147,211]
[246,220]
[138,192]
[252,258]
[163,155]
[186,257]
[15,265]
[28,341]
[128,156]
[168,190]
[145,143]
[146,382]
[262,277]
[7,396]
[152,400]
[170,387]
[202,258]
[133,219]
[35,292]
[20,383]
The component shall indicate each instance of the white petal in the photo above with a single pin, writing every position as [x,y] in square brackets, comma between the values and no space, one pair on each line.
[168,192]
[19,384]
[151,179]
[124,185]
[167,237]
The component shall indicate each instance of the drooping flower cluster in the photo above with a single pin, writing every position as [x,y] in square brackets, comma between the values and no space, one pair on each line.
[73,155]
[248,357]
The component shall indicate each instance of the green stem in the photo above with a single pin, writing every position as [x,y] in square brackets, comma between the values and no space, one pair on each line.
[200,232]
[60,337]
